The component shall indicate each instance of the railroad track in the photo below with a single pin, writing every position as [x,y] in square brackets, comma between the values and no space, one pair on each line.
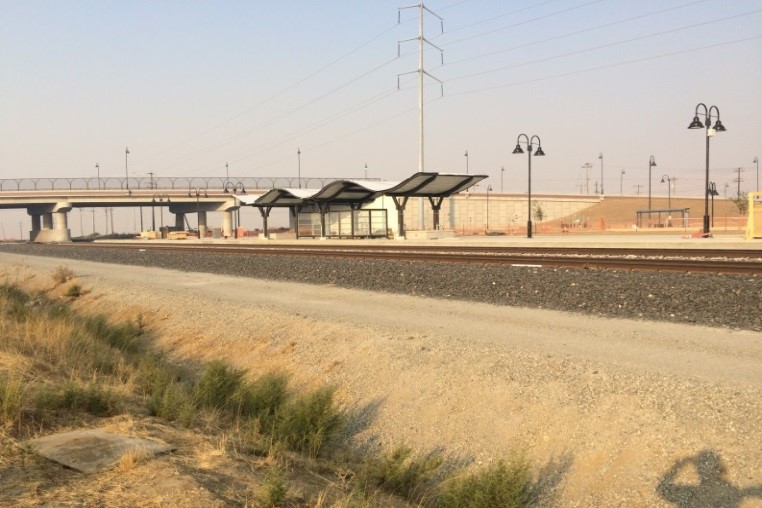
[746,262]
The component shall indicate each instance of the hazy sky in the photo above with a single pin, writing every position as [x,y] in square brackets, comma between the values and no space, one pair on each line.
[189,86]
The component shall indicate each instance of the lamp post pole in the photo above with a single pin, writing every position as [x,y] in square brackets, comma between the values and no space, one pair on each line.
[366,170]
[466,156]
[651,164]
[227,174]
[600,156]
[126,174]
[299,167]
[539,152]
[489,188]
[712,191]
[718,127]
[756,161]
[502,171]
[621,180]
[98,174]
[666,178]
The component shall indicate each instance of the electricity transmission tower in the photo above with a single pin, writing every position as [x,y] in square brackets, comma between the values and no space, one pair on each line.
[422,9]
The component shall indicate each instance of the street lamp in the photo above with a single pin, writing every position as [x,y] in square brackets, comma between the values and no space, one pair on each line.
[126,174]
[227,174]
[98,173]
[502,171]
[161,210]
[651,164]
[236,188]
[466,156]
[621,179]
[197,192]
[366,170]
[718,127]
[489,189]
[299,167]
[756,161]
[666,178]
[600,156]
[538,153]
[712,191]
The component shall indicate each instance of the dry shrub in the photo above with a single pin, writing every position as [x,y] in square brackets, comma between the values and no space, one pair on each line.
[62,274]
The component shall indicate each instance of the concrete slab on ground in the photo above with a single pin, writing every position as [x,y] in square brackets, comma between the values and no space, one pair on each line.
[92,450]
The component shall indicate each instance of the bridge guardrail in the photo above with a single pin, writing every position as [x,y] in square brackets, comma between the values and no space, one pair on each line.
[161,182]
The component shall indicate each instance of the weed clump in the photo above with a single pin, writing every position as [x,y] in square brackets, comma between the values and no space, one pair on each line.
[74,291]
[503,484]
[62,274]
[399,472]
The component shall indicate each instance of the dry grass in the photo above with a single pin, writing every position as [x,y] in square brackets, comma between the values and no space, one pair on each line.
[239,439]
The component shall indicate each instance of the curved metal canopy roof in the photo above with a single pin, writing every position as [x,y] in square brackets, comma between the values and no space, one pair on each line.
[361,191]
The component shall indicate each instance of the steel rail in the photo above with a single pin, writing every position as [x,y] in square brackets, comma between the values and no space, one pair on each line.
[709,260]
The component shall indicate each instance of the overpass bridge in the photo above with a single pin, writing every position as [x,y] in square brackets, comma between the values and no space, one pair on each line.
[48,201]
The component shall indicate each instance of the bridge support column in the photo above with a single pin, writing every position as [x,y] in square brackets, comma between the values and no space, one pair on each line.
[227,223]
[36,221]
[202,224]
[47,230]
[47,221]
[179,221]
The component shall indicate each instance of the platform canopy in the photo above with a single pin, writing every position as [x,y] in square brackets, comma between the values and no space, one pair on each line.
[434,185]
[354,193]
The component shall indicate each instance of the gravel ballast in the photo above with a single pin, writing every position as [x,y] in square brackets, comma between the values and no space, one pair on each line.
[728,301]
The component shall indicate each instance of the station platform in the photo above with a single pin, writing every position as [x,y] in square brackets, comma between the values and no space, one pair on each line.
[640,240]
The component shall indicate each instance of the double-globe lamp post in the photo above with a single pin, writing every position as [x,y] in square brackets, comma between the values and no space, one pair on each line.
[651,165]
[529,143]
[718,127]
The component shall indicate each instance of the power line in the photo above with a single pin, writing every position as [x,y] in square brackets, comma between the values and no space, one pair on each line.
[487,20]
[273,96]
[532,20]
[607,45]
[577,32]
[606,66]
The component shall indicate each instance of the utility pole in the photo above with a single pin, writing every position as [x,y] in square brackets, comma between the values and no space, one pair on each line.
[600,156]
[421,72]
[621,181]
[581,187]
[637,189]
[738,179]
[587,167]
[126,174]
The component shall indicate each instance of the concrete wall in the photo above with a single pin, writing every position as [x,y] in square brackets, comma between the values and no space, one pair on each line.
[468,211]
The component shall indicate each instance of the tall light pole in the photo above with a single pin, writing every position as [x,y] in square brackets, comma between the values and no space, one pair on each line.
[502,171]
[712,191]
[466,156]
[489,189]
[126,174]
[600,156]
[756,161]
[651,164]
[98,174]
[666,178]
[621,180]
[539,152]
[227,174]
[718,127]
[366,170]
[299,167]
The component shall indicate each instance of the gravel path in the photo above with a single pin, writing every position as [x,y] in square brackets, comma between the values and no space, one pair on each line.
[611,412]
[713,300]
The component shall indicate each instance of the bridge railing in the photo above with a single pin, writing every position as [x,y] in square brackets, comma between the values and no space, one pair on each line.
[161,183]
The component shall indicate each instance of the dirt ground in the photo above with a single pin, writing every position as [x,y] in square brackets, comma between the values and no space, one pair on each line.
[610,412]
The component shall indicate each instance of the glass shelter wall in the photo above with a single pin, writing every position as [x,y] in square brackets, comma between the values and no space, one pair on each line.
[364,223]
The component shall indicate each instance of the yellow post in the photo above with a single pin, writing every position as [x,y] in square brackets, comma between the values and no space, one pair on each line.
[754,223]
